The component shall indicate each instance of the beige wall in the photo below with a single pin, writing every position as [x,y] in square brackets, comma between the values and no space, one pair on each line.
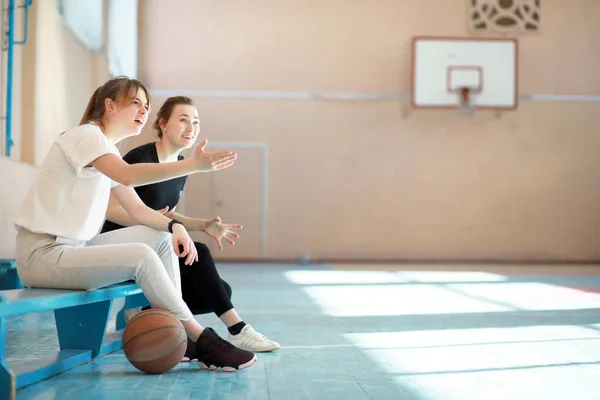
[376,179]
[59,75]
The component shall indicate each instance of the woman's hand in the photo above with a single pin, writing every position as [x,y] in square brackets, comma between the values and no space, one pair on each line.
[182,238]
[212,161]
[217,230]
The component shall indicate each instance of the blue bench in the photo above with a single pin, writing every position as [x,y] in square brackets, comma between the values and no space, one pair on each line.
[9,279]
[81,321]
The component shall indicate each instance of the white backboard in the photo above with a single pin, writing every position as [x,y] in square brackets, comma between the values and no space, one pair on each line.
[442,65]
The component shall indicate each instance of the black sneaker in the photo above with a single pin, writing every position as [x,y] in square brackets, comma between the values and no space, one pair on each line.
[190,353]
[214,352]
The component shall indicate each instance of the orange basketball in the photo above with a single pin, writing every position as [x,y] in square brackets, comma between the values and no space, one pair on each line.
[154,341]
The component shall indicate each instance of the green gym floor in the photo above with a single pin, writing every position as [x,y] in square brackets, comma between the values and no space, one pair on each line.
[354,332]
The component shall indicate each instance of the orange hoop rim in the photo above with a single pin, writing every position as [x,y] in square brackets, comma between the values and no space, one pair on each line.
[465,92]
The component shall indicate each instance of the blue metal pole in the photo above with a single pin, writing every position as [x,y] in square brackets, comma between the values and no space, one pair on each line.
[26,23]
[10,66]
[9,84]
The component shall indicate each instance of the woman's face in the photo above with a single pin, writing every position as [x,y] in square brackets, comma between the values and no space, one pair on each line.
[183,126]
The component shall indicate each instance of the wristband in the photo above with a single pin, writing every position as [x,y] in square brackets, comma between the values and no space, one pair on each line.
[173,221]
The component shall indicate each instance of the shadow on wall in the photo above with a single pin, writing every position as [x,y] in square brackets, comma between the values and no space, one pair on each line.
[15,180]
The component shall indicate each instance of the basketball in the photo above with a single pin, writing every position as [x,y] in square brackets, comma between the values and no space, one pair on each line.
[154,341]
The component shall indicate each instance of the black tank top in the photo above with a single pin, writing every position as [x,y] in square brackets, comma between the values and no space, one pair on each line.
[156,195]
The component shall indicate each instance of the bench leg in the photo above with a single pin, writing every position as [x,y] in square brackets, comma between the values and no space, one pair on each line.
[136,300]
[8,382]
[83,326]
[9,279]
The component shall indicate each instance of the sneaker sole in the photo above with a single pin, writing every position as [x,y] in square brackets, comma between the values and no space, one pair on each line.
[228,369]
[258,350]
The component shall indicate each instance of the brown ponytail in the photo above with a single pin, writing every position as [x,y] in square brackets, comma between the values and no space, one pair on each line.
[89,110]
[119,89]
[166,110]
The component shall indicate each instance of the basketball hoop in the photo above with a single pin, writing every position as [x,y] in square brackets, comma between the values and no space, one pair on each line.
[473,81]
[465,103]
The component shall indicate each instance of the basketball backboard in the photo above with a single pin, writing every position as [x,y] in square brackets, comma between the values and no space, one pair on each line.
[444,67]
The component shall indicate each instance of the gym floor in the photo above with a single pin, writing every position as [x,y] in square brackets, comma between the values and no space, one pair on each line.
[374,332]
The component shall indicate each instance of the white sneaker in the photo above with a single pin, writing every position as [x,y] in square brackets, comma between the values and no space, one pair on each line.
[250,340]
[132,312]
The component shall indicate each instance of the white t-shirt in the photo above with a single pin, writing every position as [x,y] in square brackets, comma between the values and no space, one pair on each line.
[68,199]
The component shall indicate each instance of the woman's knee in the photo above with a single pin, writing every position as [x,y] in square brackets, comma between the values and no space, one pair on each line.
[144,255]
[202,248]
[227,287]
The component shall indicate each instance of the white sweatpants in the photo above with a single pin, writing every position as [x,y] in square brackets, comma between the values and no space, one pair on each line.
[136,253]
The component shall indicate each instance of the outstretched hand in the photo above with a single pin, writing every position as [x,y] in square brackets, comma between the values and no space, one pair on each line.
[214,160]
[217,230]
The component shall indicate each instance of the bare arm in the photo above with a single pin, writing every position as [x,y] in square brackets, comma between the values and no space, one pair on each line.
[191,224]
[127,209]
[117,214]
[144,215]
[140,174]
[212,227]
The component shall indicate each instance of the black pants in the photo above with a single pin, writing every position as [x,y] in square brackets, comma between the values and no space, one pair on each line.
[203,289]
